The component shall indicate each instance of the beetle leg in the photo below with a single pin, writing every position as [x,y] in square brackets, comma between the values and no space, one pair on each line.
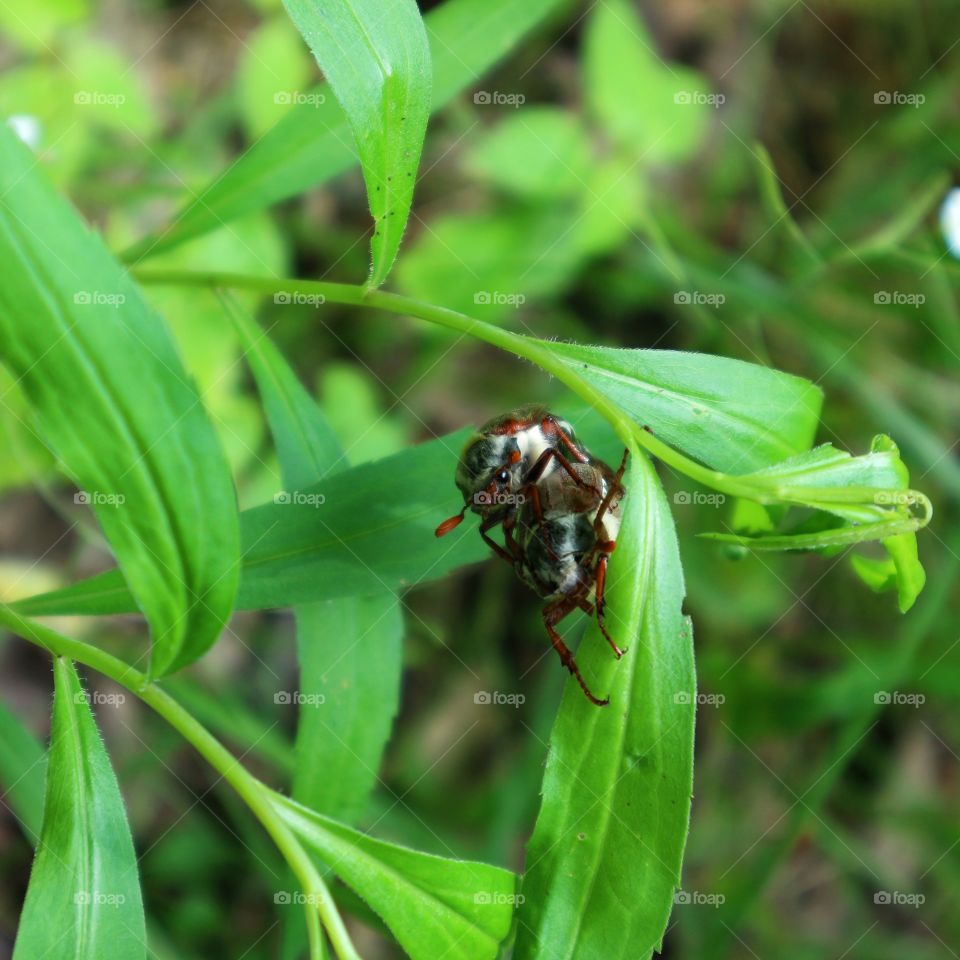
[614,487]
[601,602]
[553,613]
[550,426]
[552,453]
[489,523]
[538,512]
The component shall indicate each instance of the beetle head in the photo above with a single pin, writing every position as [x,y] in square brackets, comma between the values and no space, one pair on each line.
[490,467]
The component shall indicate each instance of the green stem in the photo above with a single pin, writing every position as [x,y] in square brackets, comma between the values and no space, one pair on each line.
[255,794]
[536,351]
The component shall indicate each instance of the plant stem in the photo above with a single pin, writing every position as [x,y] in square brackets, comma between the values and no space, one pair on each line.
[537,351]
[255,794]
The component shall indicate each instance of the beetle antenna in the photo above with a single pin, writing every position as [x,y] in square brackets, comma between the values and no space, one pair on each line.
[450,522]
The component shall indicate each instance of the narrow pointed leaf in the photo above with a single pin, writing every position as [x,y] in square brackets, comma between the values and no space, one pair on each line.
[23,767]
[83,901]
[349,648]
[605,855]
[734,416]
[373,530]
[113,402]
[435,907]
[351,660]
[311,144]
[821,539]
[825,466]
[376,58]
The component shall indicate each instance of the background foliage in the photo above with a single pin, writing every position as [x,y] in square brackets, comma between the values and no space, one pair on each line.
[552,205]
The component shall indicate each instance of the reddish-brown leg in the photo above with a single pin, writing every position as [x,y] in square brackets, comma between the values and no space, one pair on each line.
[534,494]
[553,613]
[599,600]
[551,427]
[604,548]
[509,523]
[551,453]
[488,524]
[613,488]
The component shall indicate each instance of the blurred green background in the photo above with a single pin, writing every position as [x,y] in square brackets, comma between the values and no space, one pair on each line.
[605,183]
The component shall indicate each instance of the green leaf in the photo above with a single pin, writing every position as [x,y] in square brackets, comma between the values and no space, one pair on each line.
[899,571]
[375,56]
[658,110]
[83,900]
[537,152]
[361,532]
[910,577]
[605,855]
[23,766]
[272,74]
[435,907]
[351,655]
[307,448]
[733,416]
[111,399]
[349,648]
[820,539]
[354,409]
[870,492]
[312,144]
[878,574]
[826,467]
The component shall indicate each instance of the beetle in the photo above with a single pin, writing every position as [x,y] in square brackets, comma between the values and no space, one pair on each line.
[559,509]
[506,458]
[565,536]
